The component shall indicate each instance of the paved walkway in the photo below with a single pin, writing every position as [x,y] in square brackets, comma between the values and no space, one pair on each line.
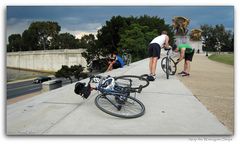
[171,109]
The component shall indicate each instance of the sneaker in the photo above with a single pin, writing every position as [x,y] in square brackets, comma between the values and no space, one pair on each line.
[182,72]
[154,76]
[185,74]
[150,77]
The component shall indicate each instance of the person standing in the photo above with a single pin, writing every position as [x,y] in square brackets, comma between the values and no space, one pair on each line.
[154,50]
[186,52]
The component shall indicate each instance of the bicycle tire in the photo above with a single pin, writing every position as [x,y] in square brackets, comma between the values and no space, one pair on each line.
[143,82]
[167,67]
[103,103]
[171,64]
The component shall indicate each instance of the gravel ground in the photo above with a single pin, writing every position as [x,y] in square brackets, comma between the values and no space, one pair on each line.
[212,83]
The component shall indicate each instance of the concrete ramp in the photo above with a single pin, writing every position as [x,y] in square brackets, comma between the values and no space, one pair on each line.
[171,109]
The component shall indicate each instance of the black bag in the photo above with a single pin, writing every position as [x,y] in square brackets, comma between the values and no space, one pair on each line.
[82,90]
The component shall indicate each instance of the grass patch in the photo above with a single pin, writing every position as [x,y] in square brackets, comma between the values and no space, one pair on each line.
[223,58]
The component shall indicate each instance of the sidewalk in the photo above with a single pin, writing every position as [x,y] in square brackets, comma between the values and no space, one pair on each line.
[171,109]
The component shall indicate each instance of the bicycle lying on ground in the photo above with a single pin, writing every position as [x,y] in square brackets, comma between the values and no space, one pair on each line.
[168,64]
[114,98]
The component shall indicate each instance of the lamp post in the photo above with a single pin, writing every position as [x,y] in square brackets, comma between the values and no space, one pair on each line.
[206,39]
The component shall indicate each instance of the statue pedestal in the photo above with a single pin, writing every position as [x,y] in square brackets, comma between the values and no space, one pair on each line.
[186,39]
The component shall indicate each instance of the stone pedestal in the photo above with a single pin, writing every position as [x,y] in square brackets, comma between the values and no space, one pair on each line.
[186,39]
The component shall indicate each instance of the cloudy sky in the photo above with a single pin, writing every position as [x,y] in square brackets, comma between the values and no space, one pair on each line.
[79,20]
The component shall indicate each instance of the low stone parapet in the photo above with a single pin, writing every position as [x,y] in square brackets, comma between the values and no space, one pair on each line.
[52,84]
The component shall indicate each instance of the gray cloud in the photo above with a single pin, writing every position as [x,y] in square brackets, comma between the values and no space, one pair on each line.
[88,19]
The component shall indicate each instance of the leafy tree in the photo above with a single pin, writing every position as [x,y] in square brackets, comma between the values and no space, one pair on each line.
[64,41]
[87,41]
[68,72]
[77,71]
[156,23]
[136,39]
[212,36]
[90,44]
[65,72]
[15,43]
[30,40]
[42,32]
[109,35]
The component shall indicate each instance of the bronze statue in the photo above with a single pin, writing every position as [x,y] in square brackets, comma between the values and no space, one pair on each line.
[195,34]
[180,25]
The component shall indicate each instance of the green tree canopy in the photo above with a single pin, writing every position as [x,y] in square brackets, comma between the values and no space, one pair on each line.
[68,72]
[109,35]
[44,32]
[64,41]
[130,32]
[213,35]
[90,44]
[15,43]
[135,39]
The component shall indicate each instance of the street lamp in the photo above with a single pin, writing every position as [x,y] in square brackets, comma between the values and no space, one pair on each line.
[206,38]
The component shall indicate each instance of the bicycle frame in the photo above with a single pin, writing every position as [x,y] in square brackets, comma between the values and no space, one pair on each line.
[127,57]
[114,92]
[125,94]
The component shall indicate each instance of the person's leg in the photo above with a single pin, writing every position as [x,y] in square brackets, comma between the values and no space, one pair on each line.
[187,67]
[150,64]
[156,56]
[154,65]
[116,65]
[110,67]
[150,54]
[188,59]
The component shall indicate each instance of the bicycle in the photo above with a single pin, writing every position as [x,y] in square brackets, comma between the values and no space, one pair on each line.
[168,64]
[98,64]
[114,98]
[127,58]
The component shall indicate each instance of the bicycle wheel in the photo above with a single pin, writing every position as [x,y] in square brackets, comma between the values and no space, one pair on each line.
[167,68]
[129,60]
[130,108]
[132,81]
[172,66]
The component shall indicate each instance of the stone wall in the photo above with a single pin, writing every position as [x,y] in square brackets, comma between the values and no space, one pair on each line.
[48,60]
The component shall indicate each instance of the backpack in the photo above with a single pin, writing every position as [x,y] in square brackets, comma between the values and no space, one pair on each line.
[82,90]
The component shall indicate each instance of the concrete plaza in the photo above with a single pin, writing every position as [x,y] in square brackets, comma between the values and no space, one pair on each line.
[171,109]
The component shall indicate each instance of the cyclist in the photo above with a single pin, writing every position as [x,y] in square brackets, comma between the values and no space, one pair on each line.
[186,52]
[154,50]
[116,63]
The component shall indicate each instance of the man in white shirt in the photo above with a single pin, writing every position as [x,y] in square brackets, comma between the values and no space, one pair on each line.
[154,50]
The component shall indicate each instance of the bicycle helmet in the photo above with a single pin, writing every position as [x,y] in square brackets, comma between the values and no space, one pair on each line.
[82,90]
[108,83]
[96,80]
